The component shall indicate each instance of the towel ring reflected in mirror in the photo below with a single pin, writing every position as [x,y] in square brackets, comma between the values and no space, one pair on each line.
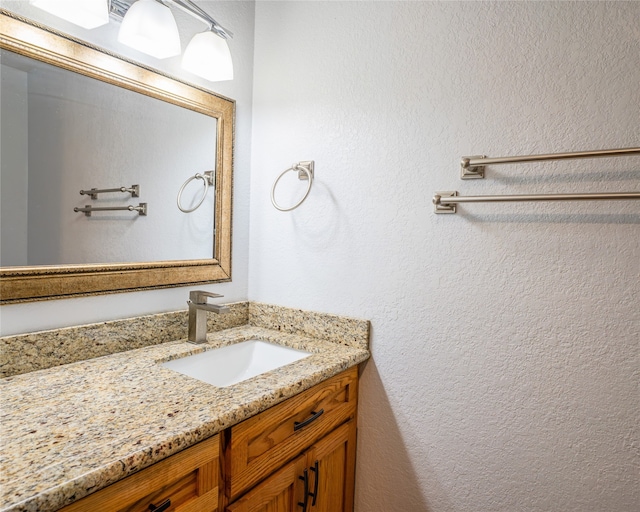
[207,178]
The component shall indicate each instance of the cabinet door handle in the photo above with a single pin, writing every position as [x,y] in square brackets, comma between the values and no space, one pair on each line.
[314,494]
[297,425]
[305,501]
[160,508]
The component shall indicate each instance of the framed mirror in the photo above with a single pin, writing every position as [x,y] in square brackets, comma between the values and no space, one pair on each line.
[104,143]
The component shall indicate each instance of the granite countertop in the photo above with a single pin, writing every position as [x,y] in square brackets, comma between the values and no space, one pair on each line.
[70,430]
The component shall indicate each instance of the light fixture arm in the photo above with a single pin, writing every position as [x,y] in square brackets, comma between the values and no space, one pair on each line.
[195,11]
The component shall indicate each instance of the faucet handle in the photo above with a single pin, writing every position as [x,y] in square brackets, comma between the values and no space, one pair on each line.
[200,296]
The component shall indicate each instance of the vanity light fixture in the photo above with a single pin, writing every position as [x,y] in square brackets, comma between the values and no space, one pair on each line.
[149,27]
[207,55]
[85,13]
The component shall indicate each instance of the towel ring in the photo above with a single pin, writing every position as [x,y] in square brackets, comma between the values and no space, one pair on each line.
[305,172]
[207,177]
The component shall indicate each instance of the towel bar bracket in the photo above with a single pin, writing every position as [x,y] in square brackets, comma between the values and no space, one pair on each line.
[471,172]
[444,208]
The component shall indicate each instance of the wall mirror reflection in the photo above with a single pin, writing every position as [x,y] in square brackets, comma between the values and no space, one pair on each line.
[75,118]
[63,132]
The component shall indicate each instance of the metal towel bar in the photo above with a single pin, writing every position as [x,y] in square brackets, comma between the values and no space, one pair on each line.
[134,190]
[472,167]
[88,209]
[445,202]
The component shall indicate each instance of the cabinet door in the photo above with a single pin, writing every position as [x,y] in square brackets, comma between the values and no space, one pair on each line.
[281,492]
[331,463]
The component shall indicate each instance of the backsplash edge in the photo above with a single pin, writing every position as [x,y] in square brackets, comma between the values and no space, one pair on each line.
[24,353]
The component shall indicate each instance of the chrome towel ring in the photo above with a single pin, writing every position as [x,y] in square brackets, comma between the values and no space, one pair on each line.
[207,178]
[305,172]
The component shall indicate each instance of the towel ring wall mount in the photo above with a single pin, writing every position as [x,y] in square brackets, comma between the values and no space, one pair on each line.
[305,172]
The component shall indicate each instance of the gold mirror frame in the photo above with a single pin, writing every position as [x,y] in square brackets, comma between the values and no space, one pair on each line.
[31,283]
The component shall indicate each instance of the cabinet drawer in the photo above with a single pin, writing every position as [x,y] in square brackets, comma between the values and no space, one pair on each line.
[260,445]
[189,479]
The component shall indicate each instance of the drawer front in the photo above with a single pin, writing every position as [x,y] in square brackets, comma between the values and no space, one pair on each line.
[260,445]
[188,479]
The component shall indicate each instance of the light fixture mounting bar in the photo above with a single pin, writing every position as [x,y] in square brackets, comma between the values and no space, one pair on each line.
[190,8]
[118,8]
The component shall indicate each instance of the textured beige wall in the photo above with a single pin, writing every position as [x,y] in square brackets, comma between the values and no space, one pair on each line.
[505,338]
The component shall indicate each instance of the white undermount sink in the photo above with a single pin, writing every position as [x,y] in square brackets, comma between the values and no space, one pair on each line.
[234,363]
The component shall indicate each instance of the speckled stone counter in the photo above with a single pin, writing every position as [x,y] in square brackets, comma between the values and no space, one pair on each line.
[71,430]
[25,353]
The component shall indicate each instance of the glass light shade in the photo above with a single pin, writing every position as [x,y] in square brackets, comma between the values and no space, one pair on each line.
[208,56]
[149,27]
[85,13]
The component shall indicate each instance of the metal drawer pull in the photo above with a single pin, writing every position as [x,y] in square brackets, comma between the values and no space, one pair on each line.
[314,494]
[297,425]
[162,507]
[305,502]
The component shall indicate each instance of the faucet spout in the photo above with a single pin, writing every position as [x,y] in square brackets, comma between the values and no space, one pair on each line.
[198,307]
[214,308]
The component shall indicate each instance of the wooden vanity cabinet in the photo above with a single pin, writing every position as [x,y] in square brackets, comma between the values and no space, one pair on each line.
[185,482]
[296,456]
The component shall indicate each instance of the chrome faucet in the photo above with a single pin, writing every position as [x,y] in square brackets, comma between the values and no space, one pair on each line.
[198,307]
